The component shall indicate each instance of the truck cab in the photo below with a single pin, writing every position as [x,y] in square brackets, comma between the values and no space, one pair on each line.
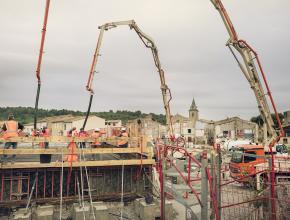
[243,161]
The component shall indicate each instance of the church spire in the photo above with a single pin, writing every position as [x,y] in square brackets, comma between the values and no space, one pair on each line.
[193,106]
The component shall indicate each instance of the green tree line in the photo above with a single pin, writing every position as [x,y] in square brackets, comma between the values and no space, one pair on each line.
[258,119]
[26,114]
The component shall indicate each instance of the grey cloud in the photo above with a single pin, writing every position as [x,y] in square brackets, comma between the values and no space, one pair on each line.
[190,37]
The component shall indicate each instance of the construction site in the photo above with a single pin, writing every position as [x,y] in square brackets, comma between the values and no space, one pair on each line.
[70,167]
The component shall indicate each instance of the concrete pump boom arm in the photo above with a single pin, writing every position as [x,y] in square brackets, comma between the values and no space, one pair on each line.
[38,68]
[249,69]
[149,43]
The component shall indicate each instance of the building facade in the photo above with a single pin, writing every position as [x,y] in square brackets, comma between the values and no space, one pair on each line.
[146,126]
[60,125]
[186,126]
[232,128]
[287,119]
[113,123]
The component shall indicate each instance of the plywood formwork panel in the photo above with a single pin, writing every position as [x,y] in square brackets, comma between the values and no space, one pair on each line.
[105,182]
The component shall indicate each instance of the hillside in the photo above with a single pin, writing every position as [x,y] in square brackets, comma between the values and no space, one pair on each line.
[25,114]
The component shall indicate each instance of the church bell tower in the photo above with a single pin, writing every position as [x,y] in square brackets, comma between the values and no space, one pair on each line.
[193,113]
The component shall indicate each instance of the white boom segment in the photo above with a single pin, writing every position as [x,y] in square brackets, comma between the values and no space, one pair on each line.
[249,70]
[149,43]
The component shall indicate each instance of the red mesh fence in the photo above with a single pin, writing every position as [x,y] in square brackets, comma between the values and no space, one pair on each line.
[246,187]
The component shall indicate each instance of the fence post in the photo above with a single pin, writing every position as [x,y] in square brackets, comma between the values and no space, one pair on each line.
[204,187]
[219,163]
[162,184]
[213,175]
[272,208]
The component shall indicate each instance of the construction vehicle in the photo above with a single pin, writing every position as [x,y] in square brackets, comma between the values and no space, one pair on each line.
[249,165]
[246,159]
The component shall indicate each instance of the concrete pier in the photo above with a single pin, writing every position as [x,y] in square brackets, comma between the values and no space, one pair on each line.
[22,214]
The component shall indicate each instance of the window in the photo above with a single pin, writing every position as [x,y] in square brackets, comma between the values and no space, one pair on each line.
[249,158]
[237,156]
[189,131]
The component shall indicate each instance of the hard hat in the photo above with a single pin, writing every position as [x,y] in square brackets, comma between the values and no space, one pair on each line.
[123,129]
[97,129]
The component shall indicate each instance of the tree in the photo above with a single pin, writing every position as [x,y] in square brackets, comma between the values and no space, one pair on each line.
[258,119]
[25,115]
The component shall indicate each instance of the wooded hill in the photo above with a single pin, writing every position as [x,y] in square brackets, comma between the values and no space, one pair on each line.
[25,114]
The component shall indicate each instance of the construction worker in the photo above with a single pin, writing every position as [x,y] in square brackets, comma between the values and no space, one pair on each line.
[72,156]
[45,132]
[96,134]
[75,133]
[44,158]
[71,132]
[11,129]
[123,143]
[36,133]
[82,134]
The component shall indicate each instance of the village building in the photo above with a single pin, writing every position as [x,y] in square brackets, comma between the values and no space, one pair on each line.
[59,125]
[186,126]
[113,123]
[146,126]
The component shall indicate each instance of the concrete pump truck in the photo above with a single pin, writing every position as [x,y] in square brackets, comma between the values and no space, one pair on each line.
[256,163]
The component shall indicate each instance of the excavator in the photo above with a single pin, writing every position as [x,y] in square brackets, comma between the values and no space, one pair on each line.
[149,43]
[242,163]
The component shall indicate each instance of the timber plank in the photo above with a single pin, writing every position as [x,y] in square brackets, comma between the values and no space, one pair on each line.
[63,139]
[100,163]
[64,150]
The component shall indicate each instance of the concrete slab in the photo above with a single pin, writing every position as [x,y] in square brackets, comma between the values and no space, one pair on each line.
[149,211]
[101,212]
[168,209]
[79,212]
[137,205]
[44,212]
[21,214]
[98,203]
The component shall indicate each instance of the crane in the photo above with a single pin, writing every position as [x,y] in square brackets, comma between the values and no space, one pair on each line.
[250,70]
[149,43]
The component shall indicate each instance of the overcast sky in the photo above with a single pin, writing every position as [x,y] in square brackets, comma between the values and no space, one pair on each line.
[190,37]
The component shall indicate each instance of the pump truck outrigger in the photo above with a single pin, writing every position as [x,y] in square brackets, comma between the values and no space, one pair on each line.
[239,167]
[149,43]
